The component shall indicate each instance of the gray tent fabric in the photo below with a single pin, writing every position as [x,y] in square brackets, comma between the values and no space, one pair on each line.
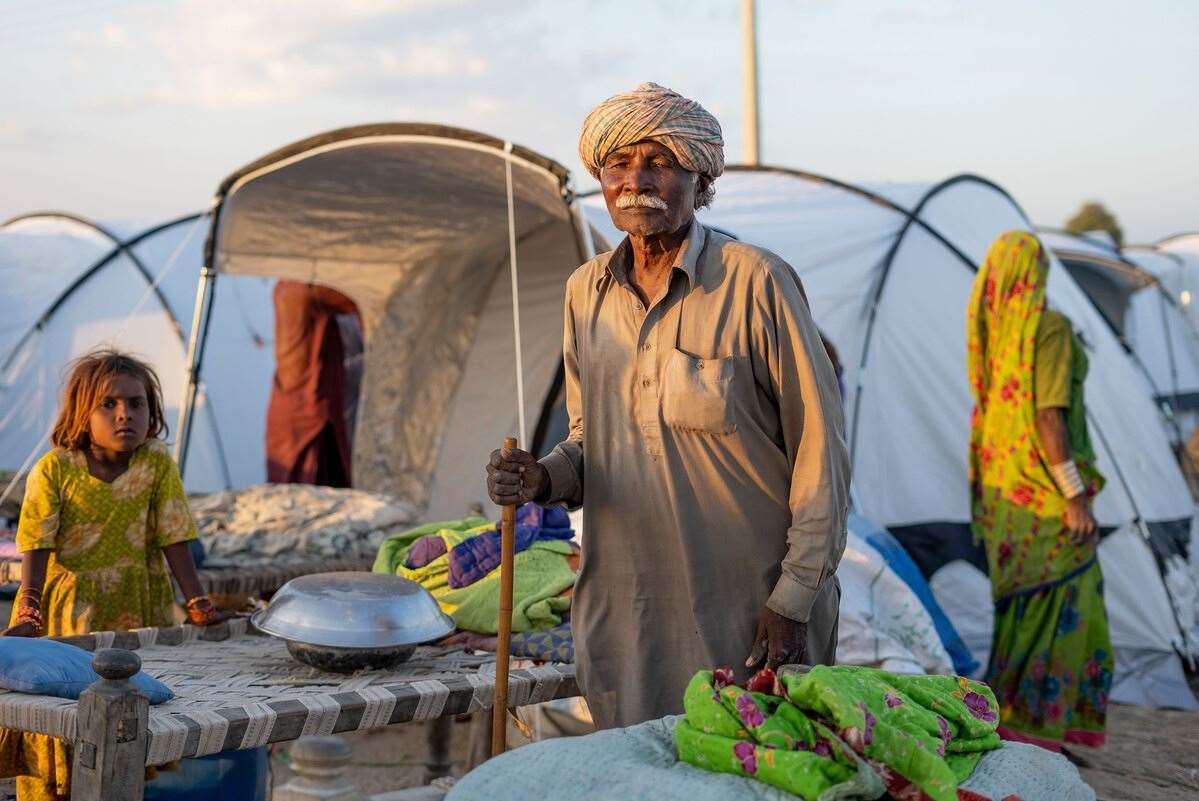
[411,222]
[1130,293]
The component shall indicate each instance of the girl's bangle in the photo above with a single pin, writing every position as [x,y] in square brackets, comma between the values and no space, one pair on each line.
[201,611]
[31,615]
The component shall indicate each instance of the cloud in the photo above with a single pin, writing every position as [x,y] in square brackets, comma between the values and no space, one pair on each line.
[221,56]
[108,37]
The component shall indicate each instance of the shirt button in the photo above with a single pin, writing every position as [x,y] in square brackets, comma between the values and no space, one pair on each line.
[647,347]
[645,382]
[637,306]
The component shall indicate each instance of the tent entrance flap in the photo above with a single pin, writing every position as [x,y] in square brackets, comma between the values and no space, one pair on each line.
[415,224]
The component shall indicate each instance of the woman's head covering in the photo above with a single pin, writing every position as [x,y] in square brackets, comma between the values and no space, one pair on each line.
[655,113]
[1008,465]
[1016,504]
[1005,310]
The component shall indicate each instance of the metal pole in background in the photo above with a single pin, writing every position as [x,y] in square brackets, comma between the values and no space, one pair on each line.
[749,50]
[195,355]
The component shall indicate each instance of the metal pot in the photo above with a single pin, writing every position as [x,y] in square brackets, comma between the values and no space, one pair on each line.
[344,622]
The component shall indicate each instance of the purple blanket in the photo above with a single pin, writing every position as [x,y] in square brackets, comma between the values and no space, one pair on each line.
[475,558]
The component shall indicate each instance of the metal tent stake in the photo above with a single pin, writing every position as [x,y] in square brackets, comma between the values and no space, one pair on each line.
[499,710]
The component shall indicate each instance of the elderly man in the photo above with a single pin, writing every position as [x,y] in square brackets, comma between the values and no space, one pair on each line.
[705,432]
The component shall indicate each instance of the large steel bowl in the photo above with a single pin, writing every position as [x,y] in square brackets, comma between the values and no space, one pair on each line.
[350,621]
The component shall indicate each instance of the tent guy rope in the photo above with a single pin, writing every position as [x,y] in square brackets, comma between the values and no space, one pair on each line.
[520,373]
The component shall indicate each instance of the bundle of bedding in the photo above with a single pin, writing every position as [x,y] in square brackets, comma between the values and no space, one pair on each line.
[458,562]
[295,521]
[832,733]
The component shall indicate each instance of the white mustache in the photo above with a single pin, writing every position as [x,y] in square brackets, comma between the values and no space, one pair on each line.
[643,201]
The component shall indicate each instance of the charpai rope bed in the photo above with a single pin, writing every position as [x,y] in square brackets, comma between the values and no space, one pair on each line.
[251,576]
[237,689]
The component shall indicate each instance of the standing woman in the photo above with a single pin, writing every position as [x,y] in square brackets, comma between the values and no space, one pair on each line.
[1032,478]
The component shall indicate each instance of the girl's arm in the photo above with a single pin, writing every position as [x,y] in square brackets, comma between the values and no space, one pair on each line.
[200,609]
[29,596]
[179,557]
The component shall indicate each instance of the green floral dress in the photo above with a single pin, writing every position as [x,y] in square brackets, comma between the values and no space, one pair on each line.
[106,570]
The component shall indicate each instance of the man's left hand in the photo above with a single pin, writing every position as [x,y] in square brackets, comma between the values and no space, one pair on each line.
[780,641]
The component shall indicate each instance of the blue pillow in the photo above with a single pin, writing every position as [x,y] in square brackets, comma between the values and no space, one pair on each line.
[48,667]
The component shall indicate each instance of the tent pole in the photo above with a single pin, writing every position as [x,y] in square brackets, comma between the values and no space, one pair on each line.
[583,239]
[201,317]
[1143,529]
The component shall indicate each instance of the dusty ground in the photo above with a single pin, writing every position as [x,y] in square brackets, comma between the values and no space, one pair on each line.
[386,759]
[1150,755]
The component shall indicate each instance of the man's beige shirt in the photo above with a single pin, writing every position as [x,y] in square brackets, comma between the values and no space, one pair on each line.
[706,437]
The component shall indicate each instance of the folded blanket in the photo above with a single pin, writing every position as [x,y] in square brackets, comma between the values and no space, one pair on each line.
[542,572]
[922,734]
[474,558]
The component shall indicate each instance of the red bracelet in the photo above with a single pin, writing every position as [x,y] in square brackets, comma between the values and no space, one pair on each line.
[202,612]
[30,614]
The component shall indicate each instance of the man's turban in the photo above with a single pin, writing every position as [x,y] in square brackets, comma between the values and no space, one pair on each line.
[655,113]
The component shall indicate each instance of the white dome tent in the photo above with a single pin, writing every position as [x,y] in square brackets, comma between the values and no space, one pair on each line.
[888,271]
[73,285]
[1181,275]
[1144,316]
[433,232]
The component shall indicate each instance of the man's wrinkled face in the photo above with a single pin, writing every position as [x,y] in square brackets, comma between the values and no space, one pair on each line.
[646,190]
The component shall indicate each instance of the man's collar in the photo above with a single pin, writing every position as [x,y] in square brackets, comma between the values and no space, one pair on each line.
[686,260]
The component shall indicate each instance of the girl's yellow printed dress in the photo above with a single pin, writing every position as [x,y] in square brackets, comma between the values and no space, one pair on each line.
[106,571]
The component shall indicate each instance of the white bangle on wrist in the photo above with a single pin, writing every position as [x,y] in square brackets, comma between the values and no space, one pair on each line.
[1066,476]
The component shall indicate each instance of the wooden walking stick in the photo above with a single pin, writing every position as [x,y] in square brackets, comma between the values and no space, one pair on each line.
[499,710]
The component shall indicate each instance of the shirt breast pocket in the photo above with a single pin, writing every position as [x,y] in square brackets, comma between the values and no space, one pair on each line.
[697,394]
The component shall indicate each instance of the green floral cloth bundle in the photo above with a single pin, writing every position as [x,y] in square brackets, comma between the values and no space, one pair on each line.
[842,730]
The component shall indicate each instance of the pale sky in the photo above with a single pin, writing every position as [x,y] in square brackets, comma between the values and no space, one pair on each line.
[120,109]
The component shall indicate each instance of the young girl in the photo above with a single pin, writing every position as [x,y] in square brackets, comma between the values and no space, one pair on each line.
[101,511]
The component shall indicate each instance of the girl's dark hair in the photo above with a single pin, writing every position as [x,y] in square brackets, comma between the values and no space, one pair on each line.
[87,378]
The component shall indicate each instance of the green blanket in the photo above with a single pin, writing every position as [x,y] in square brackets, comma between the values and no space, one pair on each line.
[929,731]
[540,574]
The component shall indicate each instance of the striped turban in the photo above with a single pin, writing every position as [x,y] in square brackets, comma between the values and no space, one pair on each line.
[658,114]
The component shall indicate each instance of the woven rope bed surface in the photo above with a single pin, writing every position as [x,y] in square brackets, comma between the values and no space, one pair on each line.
[249,577]
[237,689]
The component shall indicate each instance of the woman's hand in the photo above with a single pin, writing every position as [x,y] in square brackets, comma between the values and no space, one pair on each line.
[1079,520]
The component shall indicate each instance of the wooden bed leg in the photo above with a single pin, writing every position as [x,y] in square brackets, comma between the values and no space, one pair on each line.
[112,735]
[438,733]
[320,764]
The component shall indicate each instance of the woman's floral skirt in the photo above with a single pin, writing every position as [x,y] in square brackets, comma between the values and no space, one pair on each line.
[1051,662]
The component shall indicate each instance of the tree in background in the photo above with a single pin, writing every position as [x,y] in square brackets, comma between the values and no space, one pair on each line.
[1094,216]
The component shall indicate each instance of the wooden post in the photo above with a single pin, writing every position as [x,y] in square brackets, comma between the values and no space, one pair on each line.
[438,733]
[112,735]
[320,764]
[499,710]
